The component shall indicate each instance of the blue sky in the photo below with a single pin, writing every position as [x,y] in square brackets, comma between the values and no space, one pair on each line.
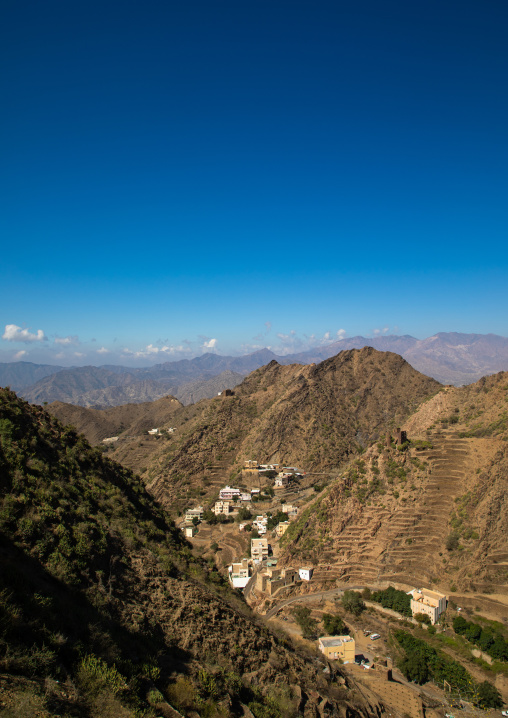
[186,177]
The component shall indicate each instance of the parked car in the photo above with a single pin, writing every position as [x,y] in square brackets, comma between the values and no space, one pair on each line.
[375,636]
[366,632]
[504,713]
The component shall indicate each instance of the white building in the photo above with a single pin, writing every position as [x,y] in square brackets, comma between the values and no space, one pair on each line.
[228,493]
[305,573]
[239,573]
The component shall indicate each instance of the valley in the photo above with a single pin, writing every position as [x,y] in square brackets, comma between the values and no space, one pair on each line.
[401,482]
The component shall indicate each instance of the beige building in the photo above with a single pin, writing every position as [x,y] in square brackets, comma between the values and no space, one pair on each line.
[281,528]
[250,464]
[194,513]
[290,510]
[281,481]
[335,647]
[274,578]
[259,548]
[190,531]
[222,507]
[430,603]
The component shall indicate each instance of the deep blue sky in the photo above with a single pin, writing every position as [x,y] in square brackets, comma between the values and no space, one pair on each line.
[179,172]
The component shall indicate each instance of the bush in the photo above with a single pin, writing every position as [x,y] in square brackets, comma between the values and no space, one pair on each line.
[352,602]
[334,625]
[422,618]
[452,541]
[307,624]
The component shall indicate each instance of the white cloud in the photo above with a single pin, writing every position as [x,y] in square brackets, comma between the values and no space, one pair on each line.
[326,337]
[67,340]
[102,350]
[384,330]
[20,355]
[341,334]
[210,344]
[152,350]
[79,354]
[60,355]
[14,333]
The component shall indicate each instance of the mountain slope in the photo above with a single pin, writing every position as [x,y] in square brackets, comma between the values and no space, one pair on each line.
[19,375]
[310,416]
[105,610]
[432,515]
[99,424]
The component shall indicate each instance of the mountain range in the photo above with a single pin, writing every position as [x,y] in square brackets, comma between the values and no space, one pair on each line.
[450,358]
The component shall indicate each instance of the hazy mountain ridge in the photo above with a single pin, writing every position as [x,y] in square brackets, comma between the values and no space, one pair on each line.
[450,358]
[107,607]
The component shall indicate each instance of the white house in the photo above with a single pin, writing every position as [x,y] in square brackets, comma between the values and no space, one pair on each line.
[305,573]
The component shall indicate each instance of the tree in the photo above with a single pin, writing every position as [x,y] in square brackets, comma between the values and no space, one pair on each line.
[452,542]
[489,696]
[243,514]
[415,668]
[195,520]
[352,602]
[307,624]
[334,625]
[422,618]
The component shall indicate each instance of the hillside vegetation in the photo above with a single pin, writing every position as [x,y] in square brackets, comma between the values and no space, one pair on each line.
[104,610]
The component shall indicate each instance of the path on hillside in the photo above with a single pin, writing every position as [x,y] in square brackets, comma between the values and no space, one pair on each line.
[310,597]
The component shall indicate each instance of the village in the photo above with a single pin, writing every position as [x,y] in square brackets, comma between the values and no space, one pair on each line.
[250,539]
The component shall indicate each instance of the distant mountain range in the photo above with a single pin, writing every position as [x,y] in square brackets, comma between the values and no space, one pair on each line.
[448,357]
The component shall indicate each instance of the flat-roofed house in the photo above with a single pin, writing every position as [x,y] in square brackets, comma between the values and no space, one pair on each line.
[430,603]
[259,549]
[335,647]
[281,528]
[274,578]
[222,507]
[239,573]
[194,513]
[228,493]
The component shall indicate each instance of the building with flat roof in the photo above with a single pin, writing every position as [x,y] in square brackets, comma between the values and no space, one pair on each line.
[335,647]
[430,603]
[222,507]
[239,573]
[258,549]
[274,578]
[228,493]
[194,513]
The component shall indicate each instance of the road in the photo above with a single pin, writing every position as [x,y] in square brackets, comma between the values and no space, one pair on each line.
[311,597]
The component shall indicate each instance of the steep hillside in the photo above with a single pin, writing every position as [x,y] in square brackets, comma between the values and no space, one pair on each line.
[98,424]
[310,416]
[104,610]
[433,514]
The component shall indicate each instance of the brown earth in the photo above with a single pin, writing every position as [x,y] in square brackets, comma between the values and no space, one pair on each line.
[391,515]
[314,417]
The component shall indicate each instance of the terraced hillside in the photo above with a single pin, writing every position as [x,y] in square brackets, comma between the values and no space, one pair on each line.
[432,514]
